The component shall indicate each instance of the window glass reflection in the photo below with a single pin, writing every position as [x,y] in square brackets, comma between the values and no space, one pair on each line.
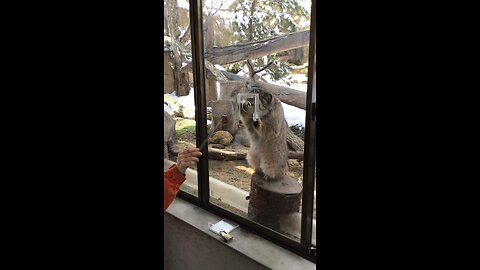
[256,56]
[179,106]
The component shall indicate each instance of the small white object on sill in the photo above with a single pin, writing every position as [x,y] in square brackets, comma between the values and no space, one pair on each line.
[223,228]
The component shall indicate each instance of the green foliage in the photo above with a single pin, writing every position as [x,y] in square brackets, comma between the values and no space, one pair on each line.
[184,127]
[234,68]
[262,19]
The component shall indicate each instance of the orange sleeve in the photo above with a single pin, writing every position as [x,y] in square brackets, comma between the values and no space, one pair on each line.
[172,180]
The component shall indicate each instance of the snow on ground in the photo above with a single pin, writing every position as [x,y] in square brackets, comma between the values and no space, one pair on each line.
[167,109]
[293,114]
[183,4]
[187,101]
[219,67]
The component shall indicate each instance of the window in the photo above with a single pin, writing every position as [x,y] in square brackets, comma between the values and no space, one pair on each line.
[253,88]
[179,106]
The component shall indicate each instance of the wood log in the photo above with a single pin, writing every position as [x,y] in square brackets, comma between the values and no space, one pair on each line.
[221,154]
[217,73]
[209,33]
[171,12]
[273,200]
[234,77]
[286,95]
[253,50]
[211,89]
[238,154]
[168,82]
[257,49]
[295,155]
[294,141]
[211,85]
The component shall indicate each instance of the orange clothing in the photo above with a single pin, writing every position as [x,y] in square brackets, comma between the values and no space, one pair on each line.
[172,180]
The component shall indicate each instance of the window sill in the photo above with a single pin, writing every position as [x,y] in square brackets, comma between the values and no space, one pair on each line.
[252,246]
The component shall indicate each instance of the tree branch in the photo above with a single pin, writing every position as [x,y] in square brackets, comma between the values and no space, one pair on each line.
[251,71]
[252,50]
[286,95]
[265,67]
[237,53]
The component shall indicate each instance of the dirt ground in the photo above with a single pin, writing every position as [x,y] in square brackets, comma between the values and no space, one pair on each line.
[237,172]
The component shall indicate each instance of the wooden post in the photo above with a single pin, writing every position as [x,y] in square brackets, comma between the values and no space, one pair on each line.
[211,90]
[211,85]
[168,82]
[272,200]
[171,13]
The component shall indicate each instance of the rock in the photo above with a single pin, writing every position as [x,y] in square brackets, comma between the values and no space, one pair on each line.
[177,108]
[173,105]
[225,108]
[222,137]
[168,132]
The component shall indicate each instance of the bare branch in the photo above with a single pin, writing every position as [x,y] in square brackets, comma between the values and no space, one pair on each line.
[213,7]
[251,71]
[217,9]
[265,67]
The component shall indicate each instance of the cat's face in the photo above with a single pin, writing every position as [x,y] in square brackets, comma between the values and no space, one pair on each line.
[265,102]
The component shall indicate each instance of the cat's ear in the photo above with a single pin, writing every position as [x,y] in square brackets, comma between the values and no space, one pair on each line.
[266,97]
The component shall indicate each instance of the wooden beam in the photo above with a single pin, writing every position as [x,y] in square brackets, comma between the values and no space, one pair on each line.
[286,95]
[236,53]
[239,154]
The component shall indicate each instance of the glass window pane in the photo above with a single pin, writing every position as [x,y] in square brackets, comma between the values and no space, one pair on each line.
[256,94]
[314,227]
[179,105]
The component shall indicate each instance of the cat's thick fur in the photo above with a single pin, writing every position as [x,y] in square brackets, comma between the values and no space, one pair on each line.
[268,152]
